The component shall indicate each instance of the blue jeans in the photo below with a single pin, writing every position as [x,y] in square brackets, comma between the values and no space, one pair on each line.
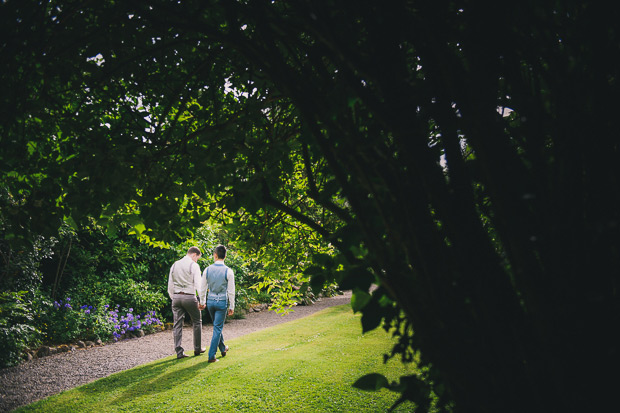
[217,310]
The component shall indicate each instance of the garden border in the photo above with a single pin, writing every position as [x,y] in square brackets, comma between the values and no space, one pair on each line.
[28,382]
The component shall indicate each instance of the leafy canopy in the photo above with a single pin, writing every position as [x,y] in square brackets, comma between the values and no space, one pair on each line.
[379,128]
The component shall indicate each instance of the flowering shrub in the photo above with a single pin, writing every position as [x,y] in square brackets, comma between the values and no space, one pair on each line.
[131,322]
[141,296]
[64,323]
[61,323]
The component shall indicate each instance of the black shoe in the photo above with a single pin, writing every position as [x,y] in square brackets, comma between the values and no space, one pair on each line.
[213,360]
[197,353]
[182,356]
[224,352]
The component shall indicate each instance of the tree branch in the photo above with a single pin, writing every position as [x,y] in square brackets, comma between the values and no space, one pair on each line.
[270,200]
[314,192]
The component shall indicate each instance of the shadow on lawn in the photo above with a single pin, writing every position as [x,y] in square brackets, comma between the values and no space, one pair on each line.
[146,380]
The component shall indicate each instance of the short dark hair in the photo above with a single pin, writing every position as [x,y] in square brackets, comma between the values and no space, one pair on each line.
[194,250]
[220,251]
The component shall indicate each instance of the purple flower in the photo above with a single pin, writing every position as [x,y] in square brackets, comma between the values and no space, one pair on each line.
[68,299]
[90,307]
[68,305]
[86,311]
[56,304]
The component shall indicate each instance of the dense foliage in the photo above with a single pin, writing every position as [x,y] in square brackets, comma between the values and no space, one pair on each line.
[453,152]
[90,285]
[16,326]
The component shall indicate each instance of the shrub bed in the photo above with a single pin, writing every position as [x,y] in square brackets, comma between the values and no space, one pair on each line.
[27,321]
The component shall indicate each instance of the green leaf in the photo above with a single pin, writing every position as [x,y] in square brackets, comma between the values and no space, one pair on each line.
[317,281]
[69,220]
[324,260]
[356,277]
[32,147]
[140,228]
[371,382]
[370,321]
[359,299]
[372,314]
[313,270]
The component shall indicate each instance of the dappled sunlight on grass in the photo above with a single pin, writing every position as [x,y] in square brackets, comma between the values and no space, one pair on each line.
[305,365]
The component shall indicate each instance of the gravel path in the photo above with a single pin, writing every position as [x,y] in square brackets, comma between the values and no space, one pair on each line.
[39,378]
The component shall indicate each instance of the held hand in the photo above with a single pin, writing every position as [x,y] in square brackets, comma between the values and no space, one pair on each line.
[201,306]
[230,312]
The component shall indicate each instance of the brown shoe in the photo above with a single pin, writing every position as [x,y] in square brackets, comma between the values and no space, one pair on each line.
[213,360]
[182,356]
[224,352]
[197,353]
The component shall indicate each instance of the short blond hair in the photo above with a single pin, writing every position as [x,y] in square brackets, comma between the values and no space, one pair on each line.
[194,250]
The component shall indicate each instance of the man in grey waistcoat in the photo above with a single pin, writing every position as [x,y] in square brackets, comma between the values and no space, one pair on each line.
[219,280]
[183,284]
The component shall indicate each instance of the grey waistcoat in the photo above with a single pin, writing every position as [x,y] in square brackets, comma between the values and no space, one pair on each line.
[217,278]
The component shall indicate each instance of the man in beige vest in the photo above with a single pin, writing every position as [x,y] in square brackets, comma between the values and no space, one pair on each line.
[183,284]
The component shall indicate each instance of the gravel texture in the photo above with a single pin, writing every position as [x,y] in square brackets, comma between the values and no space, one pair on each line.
[39,378]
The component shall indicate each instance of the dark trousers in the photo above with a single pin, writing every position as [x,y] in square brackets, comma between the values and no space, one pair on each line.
[182,303]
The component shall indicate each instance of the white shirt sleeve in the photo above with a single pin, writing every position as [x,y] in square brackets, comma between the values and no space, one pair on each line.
[195,272]
[231,289]
[170,283]
[202,294]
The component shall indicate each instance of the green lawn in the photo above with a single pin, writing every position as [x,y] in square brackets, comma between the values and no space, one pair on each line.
[305,365]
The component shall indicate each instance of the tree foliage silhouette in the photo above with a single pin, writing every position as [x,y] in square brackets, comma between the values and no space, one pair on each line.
[460,154]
